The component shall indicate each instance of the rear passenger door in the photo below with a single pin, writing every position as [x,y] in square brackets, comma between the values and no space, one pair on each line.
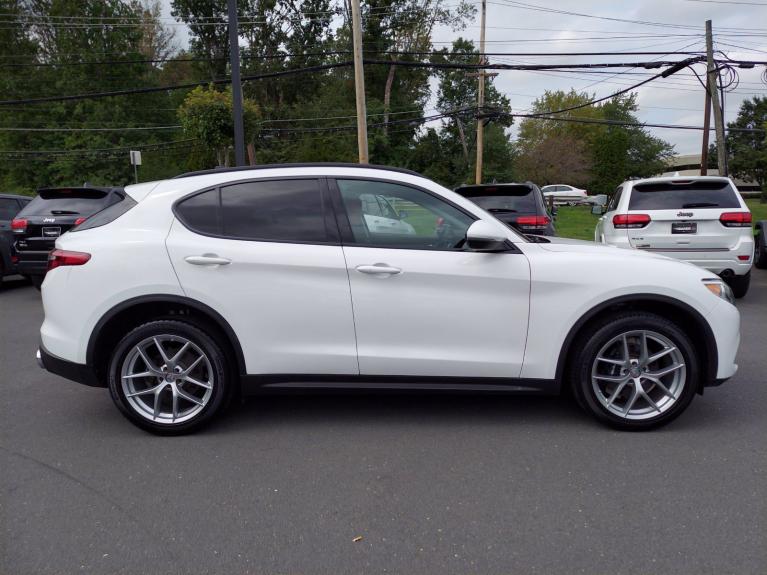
[265,254]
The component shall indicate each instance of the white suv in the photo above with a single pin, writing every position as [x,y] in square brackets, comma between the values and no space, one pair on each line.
[702,220]
[235,281]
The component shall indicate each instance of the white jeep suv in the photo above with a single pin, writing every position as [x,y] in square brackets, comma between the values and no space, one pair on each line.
[702,220]
[235,281]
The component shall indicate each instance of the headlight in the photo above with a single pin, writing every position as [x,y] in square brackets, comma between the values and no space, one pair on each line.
[720,289]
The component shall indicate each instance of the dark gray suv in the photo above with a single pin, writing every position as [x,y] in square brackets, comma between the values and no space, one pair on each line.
[519,205]
[10,205]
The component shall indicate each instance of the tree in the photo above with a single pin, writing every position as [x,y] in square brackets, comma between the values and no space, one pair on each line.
[206,115]
[747,151]
[556,159]
[457,98]
[613,153]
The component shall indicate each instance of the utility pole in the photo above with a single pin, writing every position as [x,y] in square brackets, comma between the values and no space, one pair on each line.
[234,59]
[706,127]
[481,98]
[711,84]
[359,84]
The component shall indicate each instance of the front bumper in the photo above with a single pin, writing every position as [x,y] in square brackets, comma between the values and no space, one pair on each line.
[77,372]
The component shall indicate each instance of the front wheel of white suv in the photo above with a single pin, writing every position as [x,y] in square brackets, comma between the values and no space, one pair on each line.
[635,371]
[169,377]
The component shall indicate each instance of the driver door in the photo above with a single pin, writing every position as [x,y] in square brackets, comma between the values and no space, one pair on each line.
[424,306]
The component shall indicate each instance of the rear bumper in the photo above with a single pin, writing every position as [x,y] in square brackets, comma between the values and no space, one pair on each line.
[32,263]
[718,261]
[77,372]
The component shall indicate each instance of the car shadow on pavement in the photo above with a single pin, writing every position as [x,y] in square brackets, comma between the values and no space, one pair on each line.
[400,409]
[14,283]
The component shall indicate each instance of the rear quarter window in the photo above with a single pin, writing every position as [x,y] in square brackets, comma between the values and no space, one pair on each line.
[683,195]
[9,207]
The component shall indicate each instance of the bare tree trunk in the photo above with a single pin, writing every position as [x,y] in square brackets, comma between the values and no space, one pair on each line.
[463,140]
[387,98]
[251,154]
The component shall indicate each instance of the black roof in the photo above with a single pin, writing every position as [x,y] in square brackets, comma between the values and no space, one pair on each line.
[299,165]
[15,196]
[466,187]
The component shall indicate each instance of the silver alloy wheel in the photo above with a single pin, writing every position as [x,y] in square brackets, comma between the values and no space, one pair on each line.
[638,374]
[167,379]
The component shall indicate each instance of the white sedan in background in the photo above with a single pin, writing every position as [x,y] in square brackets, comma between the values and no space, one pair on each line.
[564,194]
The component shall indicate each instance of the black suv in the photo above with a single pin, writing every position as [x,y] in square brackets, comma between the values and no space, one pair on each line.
[10,205]
[51,213]
[520,206]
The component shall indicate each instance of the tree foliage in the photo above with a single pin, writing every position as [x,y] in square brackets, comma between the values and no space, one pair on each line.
[747,151]
[62,47]
[607,154]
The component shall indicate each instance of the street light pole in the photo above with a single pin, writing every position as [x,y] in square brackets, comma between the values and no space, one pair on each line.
[234,59]
[359,84]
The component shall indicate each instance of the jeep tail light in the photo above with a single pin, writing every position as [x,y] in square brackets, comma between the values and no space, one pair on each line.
[630,221]
[78,221]
[59,258]
[533,221]
[19,226]
[736,219]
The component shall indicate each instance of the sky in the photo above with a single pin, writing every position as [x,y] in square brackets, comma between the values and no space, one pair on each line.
[740,30]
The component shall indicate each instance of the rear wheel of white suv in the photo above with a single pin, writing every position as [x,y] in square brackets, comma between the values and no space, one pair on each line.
[739,284]
[169,377]
[635,371]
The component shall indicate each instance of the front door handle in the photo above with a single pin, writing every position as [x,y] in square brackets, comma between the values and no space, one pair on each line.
[207,260]
[379,269]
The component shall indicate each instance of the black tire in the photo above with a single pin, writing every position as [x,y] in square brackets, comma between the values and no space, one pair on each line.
[37,281]
[219,369]
[739,284]
[601,333]
[760,249]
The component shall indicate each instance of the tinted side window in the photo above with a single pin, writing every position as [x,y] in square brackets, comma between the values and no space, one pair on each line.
[8,208]
[615,199]
[423,221]
[278,210]
[201,212]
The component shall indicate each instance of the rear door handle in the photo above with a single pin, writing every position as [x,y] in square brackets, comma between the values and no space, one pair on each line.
[207,260]
[378,269]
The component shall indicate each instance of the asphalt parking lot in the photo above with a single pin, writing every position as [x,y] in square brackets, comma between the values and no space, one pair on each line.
[442,484]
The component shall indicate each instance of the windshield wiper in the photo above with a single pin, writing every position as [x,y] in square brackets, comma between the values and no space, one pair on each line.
[64,213]
[501,210]
[701,205]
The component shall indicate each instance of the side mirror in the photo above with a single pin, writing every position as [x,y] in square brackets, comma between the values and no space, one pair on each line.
[597,210]
[485,237]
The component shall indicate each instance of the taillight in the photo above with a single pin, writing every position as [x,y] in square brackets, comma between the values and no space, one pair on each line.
[19,226]
[534,221]
[59,258]
[630,221]
[736,219]
[78,221]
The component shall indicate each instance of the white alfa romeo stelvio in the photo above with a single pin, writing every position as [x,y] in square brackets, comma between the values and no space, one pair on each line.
[214,284]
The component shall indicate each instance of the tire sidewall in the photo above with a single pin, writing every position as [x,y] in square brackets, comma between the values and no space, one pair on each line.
[604,332]
[220,392]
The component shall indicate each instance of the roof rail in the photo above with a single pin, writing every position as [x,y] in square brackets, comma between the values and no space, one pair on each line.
[221,170]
